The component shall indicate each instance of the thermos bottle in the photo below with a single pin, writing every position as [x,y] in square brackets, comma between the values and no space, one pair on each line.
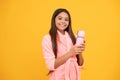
[80,37]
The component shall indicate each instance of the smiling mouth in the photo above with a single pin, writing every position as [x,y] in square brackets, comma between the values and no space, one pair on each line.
[63,25]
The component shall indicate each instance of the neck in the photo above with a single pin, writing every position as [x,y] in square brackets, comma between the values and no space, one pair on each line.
[62,32]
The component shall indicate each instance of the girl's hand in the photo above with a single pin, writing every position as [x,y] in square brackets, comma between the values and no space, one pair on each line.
[78,49]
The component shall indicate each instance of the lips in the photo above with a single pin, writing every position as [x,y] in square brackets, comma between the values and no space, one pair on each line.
[63,24]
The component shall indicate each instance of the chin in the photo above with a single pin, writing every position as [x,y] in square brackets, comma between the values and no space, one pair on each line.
[63,29]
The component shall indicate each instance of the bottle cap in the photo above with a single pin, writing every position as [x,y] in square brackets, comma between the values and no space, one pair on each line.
[81,33]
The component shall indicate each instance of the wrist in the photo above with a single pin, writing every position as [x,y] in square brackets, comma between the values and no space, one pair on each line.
[70,53]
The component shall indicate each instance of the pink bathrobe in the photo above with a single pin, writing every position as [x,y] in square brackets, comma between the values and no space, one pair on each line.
[67,71]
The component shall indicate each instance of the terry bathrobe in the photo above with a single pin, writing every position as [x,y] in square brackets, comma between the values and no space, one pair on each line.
[67,71]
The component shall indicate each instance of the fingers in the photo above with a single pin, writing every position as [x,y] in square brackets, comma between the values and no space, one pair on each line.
[81,46]
[80,49]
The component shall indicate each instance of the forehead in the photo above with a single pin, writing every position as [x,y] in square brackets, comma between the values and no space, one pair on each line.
[63,14]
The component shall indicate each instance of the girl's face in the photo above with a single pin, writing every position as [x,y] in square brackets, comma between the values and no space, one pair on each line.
[62,21]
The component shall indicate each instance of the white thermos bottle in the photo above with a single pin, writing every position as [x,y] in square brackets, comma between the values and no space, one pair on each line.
[80,37]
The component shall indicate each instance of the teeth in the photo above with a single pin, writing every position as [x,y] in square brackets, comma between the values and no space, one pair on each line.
[62,25]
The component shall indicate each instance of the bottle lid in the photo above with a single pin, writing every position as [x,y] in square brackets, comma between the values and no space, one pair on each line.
[81,33]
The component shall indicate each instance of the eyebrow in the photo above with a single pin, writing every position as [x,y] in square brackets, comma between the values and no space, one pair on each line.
[62,17]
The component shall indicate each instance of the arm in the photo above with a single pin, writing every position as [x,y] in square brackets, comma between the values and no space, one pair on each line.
[59,61]
[80,55]
[81,59]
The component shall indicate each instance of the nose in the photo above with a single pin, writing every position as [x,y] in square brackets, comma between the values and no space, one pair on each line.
[63,22]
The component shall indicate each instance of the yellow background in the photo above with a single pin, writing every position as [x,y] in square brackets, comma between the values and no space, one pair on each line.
[23,23]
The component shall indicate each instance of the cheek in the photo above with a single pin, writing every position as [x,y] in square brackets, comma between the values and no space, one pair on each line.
[67,23]
[56,22]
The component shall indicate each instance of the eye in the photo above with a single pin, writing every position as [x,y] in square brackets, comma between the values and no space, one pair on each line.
[66,19]
[59,18]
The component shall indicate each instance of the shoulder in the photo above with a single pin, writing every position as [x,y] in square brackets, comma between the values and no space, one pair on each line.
[46,37]
[46,42]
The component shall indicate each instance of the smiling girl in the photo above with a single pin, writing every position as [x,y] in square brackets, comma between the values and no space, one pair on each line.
[62,57]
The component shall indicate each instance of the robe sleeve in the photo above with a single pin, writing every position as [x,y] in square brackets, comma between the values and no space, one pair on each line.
[48,52]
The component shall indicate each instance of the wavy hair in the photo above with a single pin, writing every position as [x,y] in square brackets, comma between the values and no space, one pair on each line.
[53,30]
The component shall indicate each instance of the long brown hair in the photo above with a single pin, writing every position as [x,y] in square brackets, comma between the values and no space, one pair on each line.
[53,30]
